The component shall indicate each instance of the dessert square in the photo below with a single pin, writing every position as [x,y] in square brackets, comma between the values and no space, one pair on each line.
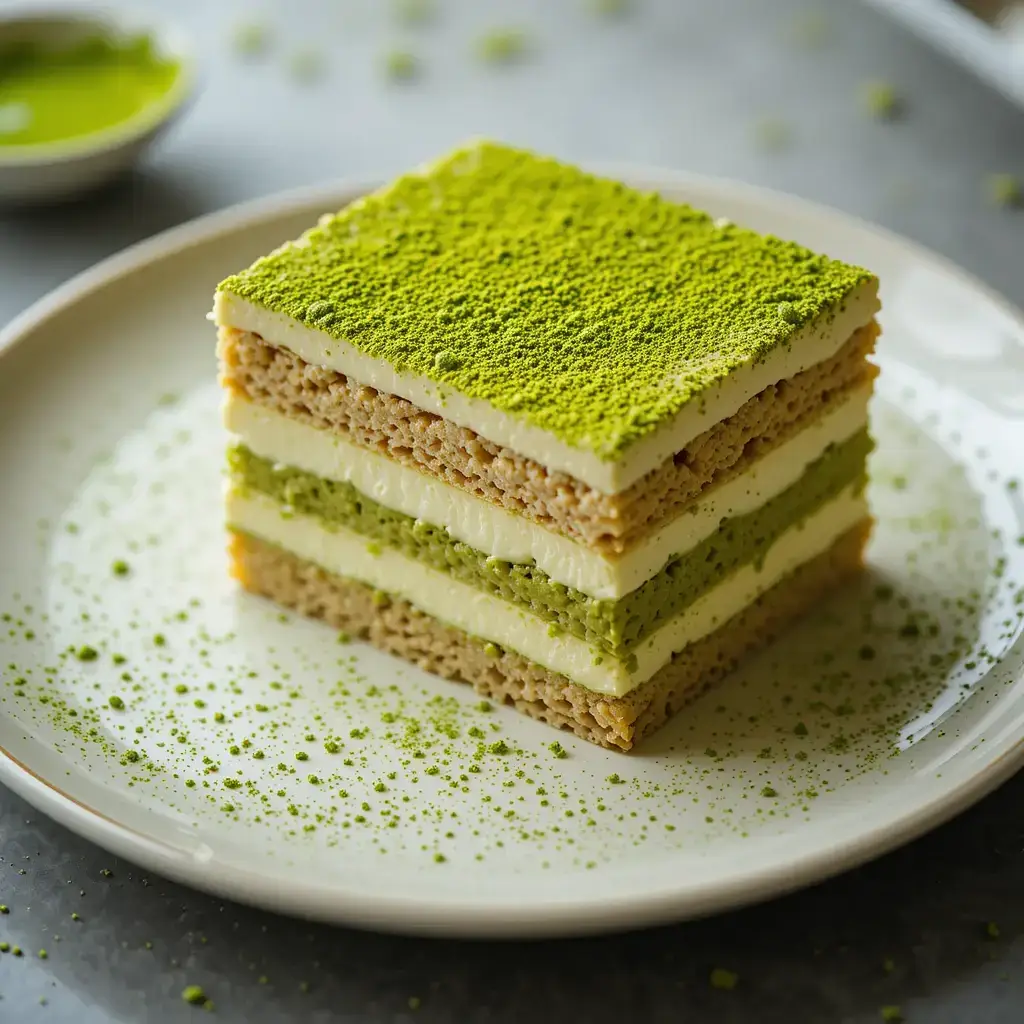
[577,445]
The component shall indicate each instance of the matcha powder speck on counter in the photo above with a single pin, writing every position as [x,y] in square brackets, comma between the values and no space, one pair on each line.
[195,995]
[724,979]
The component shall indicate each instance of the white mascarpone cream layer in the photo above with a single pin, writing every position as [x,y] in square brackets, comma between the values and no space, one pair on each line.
[491,618]
[812,344]
[502,534]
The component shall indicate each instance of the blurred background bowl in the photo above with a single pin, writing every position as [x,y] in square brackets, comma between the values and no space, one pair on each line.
[51,171]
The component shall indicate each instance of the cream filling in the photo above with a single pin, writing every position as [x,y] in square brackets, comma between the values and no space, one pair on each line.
[810,345]
[499,533]
[483,615]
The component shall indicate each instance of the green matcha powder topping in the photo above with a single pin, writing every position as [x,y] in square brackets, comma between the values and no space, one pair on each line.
[588,309]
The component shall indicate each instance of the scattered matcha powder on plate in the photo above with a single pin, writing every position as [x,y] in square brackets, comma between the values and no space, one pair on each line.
[502,46]
[120,568]
[811,30]
[773,133]
[891,1014]
[609,8]
[251,39]
[881,100]
[400,64]
[414,12]
[306,65]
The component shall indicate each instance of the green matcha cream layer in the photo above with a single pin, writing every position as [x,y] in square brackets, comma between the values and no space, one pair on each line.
[613,626]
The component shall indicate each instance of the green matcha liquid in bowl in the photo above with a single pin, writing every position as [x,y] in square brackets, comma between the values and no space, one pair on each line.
[82,95]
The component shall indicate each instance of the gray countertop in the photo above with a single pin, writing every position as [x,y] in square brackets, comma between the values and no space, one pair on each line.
[682,84]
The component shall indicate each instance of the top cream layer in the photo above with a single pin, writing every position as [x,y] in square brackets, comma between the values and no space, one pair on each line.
[810,345]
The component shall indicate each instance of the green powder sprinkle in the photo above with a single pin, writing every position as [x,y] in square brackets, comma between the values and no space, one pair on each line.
[344,638]
[502,46]
[891,1014]
[332,746]
[811,30]
[120,568]
[609,8]
[800,729]
[414,12]
[557,749]
[492,650]
[772,133]
[769,791]
[194,995]
[721,978]
[43,955]
[485,706]
[615,779]
[401,65]
[414,1002]
[498,747]
[16,950]
[439,858]
[117,703]
[888,965]
[251,39]
[306,65]
[1004,190]
[5,947]
[992,930]
[75,917]
[130,757]
[881,100]
[302,756]
[159,640]
[87,653]
[585,308]
[4,909]
[181,688]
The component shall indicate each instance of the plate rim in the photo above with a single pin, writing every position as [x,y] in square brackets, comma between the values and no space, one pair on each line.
[437,916]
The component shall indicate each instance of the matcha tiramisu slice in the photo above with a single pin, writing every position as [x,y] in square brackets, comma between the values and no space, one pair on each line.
[577,445]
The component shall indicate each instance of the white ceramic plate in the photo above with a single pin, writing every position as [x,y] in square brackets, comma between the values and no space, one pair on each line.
[891,709]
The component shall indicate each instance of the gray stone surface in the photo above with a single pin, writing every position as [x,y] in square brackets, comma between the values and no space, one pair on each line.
[673,83]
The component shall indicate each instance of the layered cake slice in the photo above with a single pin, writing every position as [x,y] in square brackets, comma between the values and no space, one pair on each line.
[575,444]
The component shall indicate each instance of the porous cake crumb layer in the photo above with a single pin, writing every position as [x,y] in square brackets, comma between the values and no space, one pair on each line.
[399,628]
[279,380]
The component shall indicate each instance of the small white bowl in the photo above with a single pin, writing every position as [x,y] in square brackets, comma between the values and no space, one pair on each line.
[53,171]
